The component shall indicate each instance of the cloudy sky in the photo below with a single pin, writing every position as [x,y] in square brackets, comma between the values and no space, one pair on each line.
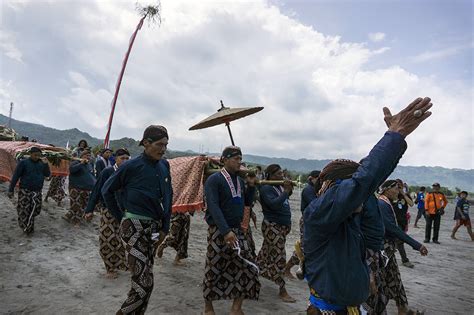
[323,70]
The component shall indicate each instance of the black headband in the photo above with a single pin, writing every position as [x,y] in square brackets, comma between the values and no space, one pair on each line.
[230,152]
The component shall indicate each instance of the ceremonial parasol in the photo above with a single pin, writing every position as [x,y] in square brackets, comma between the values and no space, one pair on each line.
[225,115]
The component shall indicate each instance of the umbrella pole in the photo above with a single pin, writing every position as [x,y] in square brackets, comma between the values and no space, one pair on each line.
[230,133]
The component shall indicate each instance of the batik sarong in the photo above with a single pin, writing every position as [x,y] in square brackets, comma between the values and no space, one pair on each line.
[179,234]
[228,275]
[56,188]
[111,248]
[140,251]
[29,206]
[249,238]
[294,260]
[377,301]
[391,280]
[78,199]
[272,256]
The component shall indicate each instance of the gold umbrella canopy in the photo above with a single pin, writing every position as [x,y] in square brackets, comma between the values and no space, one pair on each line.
[225,115]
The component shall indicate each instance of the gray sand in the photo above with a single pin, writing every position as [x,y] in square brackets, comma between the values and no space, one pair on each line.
[58,270]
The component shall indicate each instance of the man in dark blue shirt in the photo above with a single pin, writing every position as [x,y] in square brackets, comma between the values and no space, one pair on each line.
[334,246]
[392,282]
[461,216]
[81,182]
[102,161]
[31,173]
[144,184]
[110,244]
[276,226]
[308,194]
[230,272]
[420,202]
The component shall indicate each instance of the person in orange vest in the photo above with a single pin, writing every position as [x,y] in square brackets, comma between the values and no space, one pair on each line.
[435,202]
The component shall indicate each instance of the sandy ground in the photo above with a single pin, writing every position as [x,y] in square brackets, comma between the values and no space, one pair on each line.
[58,270]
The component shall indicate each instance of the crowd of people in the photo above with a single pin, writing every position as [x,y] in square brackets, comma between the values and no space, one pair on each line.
[353,221]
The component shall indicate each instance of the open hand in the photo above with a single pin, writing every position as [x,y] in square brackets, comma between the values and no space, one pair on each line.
[405,122]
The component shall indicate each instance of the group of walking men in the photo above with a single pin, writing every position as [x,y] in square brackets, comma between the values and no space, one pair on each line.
[348,236]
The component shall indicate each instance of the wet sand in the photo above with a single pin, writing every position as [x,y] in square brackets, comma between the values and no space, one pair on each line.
[58,270]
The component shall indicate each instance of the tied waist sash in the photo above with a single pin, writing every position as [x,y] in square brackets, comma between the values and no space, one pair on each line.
[130,215]
[322,305]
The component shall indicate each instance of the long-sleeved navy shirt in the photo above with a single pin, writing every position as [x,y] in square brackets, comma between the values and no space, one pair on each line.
[275,205]
[31,175]
[333,242]
[145,186]
[96,194]
[307,195]
[81,175]
[372,227]
[392,230]
[100,165]
[223,210]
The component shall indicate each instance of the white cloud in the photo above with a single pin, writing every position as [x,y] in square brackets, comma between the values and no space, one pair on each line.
[439,54]
[377,37]
[320,100]
[8,47]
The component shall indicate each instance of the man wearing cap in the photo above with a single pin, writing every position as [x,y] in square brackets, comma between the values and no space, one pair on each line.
[102,161]
[307,195]
[144,184]
[391,280]
[435,202]
[110,244]
[276,226]
[334,247]
[31,173]
[230,272]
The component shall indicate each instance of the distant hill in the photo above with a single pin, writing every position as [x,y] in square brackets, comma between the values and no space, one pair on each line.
[414,175]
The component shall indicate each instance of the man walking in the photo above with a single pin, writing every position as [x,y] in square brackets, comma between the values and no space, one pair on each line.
[435,202]
[31,173]
[144,184]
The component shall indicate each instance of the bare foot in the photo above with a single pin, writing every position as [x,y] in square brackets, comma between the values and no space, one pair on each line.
[111,275]
[288,274]
[209,312]
[286,297]
[178,262]
[159,252]
[453,237]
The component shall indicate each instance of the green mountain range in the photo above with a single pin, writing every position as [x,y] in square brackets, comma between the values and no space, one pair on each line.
[413,175]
